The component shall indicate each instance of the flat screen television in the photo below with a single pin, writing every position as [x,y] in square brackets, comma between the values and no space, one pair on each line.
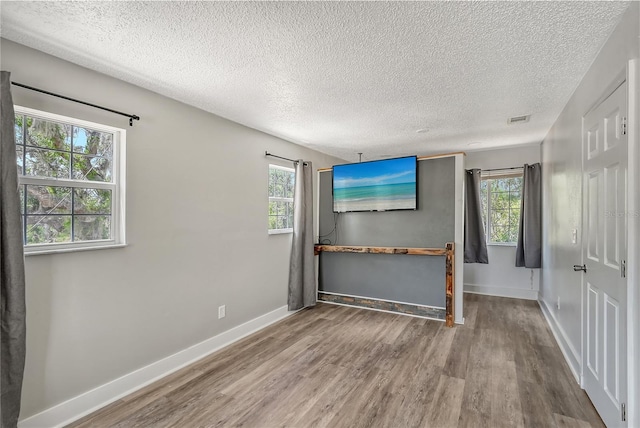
[382,185]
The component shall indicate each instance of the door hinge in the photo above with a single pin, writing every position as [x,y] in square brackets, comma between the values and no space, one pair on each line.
[623,268]
[623,408]
[623,126]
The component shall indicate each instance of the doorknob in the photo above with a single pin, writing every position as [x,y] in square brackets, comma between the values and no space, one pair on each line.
[579,268]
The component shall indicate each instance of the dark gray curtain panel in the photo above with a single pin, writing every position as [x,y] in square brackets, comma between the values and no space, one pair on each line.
[475,242]
[12,303]
[302,276]
[529,249]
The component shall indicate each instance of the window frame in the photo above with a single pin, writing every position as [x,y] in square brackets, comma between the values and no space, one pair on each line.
[116,186]
[278,198]
[497,176]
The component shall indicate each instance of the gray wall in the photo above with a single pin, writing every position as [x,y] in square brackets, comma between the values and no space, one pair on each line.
[562,195]
[410,279]
[197,238]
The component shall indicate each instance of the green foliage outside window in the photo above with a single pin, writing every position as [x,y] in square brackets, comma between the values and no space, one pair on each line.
[63,213]
[500,199]
[281,185]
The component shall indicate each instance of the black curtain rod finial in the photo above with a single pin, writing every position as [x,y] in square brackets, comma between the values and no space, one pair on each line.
[132,118]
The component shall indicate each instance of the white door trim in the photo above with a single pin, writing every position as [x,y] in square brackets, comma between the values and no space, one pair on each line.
[633,243]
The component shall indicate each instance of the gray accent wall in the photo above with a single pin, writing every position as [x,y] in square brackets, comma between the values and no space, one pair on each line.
[431,225]
[402,278]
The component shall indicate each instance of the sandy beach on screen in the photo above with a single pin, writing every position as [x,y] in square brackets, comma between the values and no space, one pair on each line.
[369,205]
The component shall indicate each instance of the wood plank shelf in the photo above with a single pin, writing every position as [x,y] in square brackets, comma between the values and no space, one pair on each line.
[380,250]
[448,252]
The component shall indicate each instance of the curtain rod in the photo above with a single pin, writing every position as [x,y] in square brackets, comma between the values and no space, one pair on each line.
[266,153]
[131,117]
[502,169]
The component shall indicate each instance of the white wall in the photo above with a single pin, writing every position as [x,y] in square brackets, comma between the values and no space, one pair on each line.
[562,196]
[500,277]
[196,228]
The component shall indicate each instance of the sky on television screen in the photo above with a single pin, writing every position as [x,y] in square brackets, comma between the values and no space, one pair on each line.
[378,173]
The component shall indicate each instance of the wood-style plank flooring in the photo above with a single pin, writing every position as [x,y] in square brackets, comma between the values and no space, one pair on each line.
[334,366]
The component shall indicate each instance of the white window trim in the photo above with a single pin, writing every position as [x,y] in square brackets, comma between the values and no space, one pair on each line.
[279,198]
[494,176]
[117,187]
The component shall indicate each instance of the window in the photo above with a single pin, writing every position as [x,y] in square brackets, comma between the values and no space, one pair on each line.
[71,177]
[500,197]
[281,183]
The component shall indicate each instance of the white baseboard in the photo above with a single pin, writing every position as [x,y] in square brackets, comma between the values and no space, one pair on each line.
[570,353]
[514,293]
[83,404]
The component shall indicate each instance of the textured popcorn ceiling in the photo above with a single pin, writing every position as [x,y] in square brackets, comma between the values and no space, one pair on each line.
[340,77]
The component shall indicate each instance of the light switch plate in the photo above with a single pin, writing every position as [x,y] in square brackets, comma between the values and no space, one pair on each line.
[574,236]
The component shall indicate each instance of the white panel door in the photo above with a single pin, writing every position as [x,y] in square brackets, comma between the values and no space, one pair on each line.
[604,247]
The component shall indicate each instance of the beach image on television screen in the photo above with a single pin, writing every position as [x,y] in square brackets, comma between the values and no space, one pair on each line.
[375,186]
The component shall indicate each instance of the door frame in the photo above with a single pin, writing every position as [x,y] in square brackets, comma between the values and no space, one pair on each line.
[633,243]
[631,75]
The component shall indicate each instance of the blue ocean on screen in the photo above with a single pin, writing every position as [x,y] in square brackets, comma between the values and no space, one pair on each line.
[384,191]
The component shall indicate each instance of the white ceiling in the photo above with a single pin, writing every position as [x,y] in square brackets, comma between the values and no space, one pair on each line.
[340,77]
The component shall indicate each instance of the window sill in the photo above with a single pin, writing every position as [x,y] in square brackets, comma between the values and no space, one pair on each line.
[279,231]
[59,250]
[502,244]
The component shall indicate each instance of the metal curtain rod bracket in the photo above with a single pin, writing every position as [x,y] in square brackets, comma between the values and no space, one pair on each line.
[131,117]
[266,153]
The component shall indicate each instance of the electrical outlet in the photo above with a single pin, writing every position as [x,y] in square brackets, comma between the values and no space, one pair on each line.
[222,311]
[558,304]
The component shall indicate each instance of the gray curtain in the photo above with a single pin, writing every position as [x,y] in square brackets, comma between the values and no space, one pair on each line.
[529,249]
[475,242]
[12,303]
[302,277]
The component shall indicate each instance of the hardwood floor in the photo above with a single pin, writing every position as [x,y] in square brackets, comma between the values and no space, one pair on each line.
[335,366]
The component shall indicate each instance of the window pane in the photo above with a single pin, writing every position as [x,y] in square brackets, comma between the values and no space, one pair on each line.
[271,181]
[47,163]
[48,200]
[499,217]
[19,159]
[52,135]
[498,185]
[279,183]
[88,141]
[44,229]
[18,129]
[21,192]
[515,216]
[483,200]
[515,184]
[499,234]
[499,200]
[92,201]
[279,208]
[513,233]
[289,181]
[290,216]
[91,227]
[92,168]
